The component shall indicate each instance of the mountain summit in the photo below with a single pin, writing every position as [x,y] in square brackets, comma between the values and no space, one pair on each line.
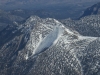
[47,47]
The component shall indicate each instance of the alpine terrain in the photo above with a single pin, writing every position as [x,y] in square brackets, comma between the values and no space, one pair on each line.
[50,47]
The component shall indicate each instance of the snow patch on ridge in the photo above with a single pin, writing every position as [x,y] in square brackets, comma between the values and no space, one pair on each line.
[49,40]
[87,37]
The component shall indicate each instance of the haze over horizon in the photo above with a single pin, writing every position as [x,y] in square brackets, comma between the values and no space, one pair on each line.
[12,4]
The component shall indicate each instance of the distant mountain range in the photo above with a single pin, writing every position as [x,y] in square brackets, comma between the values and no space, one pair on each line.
[39,1]
[57,11]
[11,4]
[93,10]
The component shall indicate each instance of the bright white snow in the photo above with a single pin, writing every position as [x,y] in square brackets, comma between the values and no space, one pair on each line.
[51,33]
[49,40]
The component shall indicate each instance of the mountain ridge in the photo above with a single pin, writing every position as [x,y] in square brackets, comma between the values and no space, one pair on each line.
[44,46]
[93,10]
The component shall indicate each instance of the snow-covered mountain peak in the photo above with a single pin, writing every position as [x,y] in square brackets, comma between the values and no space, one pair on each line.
[42,34]
[35,20]
[51,38]
[47,33]
[46,46]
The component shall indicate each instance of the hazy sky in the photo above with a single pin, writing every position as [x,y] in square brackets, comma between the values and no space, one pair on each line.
[40,1]
[36,3]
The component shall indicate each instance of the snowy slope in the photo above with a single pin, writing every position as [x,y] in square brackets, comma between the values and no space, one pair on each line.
[47,47]
[49,40]
[47,32]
